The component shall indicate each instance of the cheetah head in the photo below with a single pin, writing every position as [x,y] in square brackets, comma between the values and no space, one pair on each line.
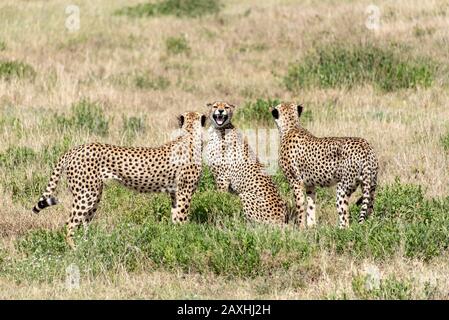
[286,115]
[191,121]
[220,113]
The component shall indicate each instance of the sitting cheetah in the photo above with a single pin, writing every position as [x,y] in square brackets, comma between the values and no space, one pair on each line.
[174,167]
[308,161]
[235,168]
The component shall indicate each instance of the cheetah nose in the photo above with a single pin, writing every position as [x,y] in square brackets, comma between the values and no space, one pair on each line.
[220,111]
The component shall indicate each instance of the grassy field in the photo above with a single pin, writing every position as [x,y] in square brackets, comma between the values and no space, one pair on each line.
[132,66]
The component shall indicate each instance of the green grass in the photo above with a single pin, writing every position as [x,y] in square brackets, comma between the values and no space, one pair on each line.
[16,70]
[389,289]
[85,115]
[219,241]
[23,185]
[3,46]
[177,45]
[445,141]
[132,126]
[148,81]
[259,112]
[341,65]
[179,8]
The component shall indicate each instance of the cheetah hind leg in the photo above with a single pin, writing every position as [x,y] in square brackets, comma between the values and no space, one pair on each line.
[83,209]
[311,196]
[343,195]
[366,201]
[251,207]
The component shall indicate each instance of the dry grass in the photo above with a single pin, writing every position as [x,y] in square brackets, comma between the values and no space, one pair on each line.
[240,54]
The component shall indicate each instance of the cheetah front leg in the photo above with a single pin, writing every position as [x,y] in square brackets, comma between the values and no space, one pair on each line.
[311,195]
[298,188]
[181,205]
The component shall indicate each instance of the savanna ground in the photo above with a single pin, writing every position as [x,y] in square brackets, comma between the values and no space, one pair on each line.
[124,75]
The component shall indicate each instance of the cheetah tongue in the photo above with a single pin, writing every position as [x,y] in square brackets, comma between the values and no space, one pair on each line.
[219,120]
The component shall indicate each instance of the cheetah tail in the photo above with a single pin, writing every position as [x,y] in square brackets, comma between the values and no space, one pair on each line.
[47,198]
[359,201]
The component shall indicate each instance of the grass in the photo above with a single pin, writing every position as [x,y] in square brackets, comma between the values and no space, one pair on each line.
[445,141]
[147,81]
[388,87]
[177,45]
[179,8]
[218,241]
[389,289]
[259,112]
[16,70]
[346,66]
[85,115]
[133,126]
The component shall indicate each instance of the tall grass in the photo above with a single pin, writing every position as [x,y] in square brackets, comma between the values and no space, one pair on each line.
[341,65]
[179,8]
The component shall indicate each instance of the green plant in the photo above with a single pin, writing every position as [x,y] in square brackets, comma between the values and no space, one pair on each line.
[389,289]
[85,115]
[259,111]
[179,8]
[132,126]
[445,141]
[177,45]
[256,111]
[146,81]
[347,66]
[2,46]
[16,69]
[16,156]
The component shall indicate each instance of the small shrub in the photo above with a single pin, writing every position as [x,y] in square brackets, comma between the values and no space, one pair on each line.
[177,45]
[389,289]
[25,189]
[16,156]
[16,70]
[345,66]
[133,126]
[86,115]
[145,81]
[445,141]
[258,111]
[179,8]
[422,32]
[2,46]
[207,181]
[215,207]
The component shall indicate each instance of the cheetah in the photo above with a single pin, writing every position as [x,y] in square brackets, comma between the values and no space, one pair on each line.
[236,168]
[174,168]
[308,161]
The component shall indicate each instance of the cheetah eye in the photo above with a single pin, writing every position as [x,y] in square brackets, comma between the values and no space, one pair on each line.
[227,108]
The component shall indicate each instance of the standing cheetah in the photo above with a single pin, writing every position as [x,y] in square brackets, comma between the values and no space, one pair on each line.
[308,161]
[235,168]
[174,168]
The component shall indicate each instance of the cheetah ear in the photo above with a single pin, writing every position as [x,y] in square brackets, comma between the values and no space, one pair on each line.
[299,107]
[209,104]
[275,113]
[180,120]
[203,120]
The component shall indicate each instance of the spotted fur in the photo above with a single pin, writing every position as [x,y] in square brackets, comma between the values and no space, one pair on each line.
[308,161]
[174,168]
[236,168]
